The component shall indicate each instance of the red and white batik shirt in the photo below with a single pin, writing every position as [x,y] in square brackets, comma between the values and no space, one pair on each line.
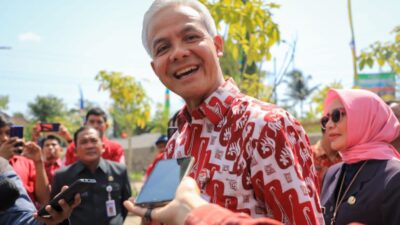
[250,157]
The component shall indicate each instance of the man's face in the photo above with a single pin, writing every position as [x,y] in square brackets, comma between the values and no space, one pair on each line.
[97,122]
[185,56]
[161,146]
[52,150]
[89,146]
[4,134]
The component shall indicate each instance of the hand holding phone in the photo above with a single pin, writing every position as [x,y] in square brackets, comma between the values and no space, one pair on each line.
[79,186]
[161,185]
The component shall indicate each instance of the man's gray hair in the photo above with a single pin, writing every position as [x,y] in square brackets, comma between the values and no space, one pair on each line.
[158,5]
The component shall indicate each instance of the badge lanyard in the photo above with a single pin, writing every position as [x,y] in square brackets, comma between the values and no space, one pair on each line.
[110,203]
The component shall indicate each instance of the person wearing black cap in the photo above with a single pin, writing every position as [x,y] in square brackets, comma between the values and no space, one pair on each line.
[160,147]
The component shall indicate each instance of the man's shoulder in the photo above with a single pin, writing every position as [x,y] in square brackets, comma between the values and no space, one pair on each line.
[66,170]
[115,166]
[21,160]
[262,110]
[112,144]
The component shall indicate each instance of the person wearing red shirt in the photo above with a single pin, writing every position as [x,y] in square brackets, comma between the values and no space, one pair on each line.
[249,156]
[113,151]
[29,166]
[52,150]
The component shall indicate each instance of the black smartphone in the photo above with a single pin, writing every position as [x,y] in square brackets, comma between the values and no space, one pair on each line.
[161,185]
[79,186]
[17,131]
[49,127]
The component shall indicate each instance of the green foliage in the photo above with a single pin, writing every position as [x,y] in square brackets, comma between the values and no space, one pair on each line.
[298,89]
[4,100]
[131,106]
[47,108]
[136,176]
[250,34]
[387,53]
[159,123]
[319,97]
[252,86]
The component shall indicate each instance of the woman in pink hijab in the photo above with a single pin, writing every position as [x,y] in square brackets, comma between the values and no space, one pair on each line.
[365,187]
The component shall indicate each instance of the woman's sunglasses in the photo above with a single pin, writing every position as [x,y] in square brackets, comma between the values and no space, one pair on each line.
[335,116]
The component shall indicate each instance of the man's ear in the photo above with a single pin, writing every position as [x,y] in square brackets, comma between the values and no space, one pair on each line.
[219,45]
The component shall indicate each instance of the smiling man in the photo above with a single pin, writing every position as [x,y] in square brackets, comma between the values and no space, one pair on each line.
[250,156]
[101,204]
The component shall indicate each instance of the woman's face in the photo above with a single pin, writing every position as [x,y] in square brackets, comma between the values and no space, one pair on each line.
[336,128]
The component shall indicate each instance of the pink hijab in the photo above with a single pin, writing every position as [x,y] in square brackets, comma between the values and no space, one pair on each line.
[371,125]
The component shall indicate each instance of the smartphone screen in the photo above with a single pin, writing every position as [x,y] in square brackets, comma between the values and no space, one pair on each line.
[163,181]
[49,127]
[17,131]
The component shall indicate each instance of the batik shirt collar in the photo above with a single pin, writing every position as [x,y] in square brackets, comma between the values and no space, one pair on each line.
[214,107]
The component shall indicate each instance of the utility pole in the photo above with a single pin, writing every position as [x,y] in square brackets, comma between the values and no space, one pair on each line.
[352,43]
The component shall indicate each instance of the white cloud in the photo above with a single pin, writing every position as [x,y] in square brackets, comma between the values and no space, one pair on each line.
[29,37]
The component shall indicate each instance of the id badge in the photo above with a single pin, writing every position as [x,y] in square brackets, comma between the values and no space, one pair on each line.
[111,210]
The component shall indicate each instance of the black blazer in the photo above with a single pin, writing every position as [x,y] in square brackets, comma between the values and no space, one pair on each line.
[92,209]
[376,192]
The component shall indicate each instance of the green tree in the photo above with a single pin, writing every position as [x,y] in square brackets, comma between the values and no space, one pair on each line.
[4,100]
[130,107]
[47,108]
[387,53]
[319,97]
[249,34]
[159,123]
[298,89]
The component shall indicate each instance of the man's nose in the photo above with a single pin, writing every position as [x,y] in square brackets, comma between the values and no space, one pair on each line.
[179,52]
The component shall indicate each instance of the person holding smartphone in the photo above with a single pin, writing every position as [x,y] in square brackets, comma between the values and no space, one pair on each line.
[17,208]
[250,156]
[102,204]
[52,150]
[29,166]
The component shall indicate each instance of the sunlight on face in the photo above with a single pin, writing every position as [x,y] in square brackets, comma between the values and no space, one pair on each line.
[337,132]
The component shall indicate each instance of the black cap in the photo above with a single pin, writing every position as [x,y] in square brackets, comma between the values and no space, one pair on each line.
[161,139]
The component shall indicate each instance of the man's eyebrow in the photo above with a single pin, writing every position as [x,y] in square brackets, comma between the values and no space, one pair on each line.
[188,28]
[157,41]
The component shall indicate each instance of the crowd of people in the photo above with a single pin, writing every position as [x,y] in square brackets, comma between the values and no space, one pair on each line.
[253,161]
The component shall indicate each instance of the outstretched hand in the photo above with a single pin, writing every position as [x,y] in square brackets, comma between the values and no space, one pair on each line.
[58,217]
[187,198]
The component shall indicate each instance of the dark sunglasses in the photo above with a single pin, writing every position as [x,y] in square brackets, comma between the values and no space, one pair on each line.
[335,116]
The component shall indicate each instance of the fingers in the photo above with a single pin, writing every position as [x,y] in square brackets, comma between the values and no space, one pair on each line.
[65,187]
[138,211]
[77,201]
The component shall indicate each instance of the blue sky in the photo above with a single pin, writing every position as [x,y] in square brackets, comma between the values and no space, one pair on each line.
[59,45]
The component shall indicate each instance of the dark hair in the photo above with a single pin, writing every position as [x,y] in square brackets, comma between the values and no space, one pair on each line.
[80,130]
[49,137]
[4,121]
[97,112]
[9,194]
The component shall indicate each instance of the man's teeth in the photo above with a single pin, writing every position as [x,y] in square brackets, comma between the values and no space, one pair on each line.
[186,70]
